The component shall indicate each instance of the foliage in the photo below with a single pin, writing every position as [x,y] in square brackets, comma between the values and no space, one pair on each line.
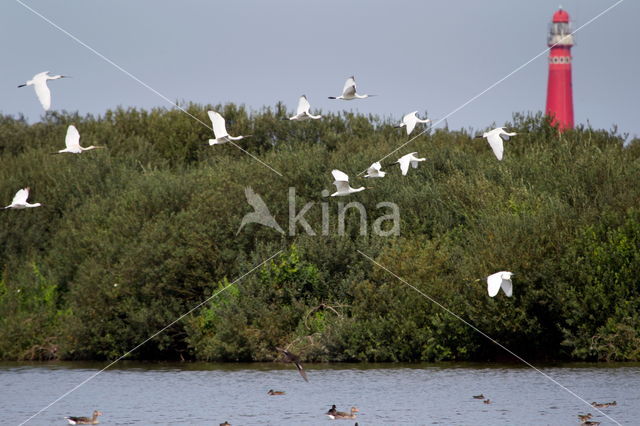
[132,237]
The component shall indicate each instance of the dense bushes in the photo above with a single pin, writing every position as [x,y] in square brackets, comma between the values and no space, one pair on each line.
[133,236]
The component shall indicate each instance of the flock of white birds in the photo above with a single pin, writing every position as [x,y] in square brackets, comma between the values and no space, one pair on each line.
[495,138]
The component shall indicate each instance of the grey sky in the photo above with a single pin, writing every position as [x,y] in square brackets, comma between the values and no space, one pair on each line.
[415,55]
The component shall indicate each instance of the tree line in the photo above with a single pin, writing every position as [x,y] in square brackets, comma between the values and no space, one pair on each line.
[133,236]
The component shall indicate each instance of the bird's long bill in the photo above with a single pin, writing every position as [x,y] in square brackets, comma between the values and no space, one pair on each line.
[22,85]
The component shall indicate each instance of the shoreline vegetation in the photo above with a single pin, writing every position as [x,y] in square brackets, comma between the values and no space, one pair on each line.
[131,237]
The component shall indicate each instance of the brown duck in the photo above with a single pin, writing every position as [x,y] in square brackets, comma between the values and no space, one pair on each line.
[85,420]
[604,404]
[343,415]
[272,392]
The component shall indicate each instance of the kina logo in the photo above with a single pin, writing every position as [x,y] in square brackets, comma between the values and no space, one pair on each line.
[261,213]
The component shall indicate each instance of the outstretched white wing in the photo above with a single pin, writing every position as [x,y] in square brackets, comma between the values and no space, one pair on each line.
[303,105]
[72,140]
[349,88]
[219,128]
[21,196]
[494,282]
[507,287]
[341,186]
[374,169]
[404,164]
[496,143]
[410,121]
[340,176]
[43,93]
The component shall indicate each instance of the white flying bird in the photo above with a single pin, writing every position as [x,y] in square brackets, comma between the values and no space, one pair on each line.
[220,130]
[410,120]
[302,113]
[500,280]
[374,171]
[494,137]
[20,200]
[405,160]
[349,91]
[342,184]
[72,141]
[39,82]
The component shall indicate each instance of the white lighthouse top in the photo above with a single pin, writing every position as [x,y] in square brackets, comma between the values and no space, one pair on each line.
[560,30]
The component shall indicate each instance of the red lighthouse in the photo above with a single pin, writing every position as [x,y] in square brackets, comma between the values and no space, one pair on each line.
[559,88]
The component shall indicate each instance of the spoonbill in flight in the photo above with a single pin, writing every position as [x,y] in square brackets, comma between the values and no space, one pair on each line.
[374,171]
[72,142]
[220,130]
[342,184]
[495,137]
[405,160]
[410,120]
[39,82]
[500,280]
[302,113]
[349,91]
[20,200]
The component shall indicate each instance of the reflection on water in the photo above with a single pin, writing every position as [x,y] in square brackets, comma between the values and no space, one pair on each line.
[386,394]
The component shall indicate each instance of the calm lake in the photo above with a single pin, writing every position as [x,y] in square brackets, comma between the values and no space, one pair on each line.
[386,394]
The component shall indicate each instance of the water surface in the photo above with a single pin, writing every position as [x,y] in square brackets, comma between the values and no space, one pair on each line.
[386,394]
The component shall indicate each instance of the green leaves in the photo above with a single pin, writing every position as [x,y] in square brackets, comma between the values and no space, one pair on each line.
[133,236]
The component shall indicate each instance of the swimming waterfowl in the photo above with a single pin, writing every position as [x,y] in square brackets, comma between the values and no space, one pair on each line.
[272,392]
[589,423]
[332,410]
[85,420]
[487,401]
[296,360]
[225,424]
[343,415]
[481,396]
[584,417]
[604,404]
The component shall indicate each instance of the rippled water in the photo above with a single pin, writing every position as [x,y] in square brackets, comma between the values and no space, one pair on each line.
[209,394]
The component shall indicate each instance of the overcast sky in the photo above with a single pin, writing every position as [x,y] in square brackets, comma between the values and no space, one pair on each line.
[415,55]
